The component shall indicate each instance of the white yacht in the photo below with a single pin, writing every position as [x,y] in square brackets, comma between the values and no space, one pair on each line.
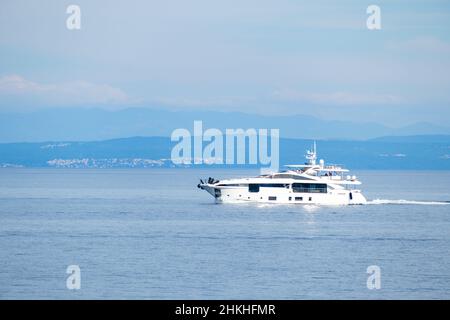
[308,183]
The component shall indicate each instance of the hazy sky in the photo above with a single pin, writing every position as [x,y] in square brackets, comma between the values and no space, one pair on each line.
[256,56]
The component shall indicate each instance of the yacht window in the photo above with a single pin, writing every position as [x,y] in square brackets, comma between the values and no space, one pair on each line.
[272,198]
[253,188]
[309,187]
[298,198]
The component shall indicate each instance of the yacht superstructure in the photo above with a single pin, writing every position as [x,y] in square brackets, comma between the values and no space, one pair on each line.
[308,183]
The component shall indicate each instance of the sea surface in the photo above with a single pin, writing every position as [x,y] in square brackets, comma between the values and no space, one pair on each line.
[151,234]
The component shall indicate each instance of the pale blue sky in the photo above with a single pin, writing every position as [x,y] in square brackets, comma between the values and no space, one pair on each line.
[256,56]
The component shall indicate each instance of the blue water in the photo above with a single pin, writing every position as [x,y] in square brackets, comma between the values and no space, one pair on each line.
[152,234]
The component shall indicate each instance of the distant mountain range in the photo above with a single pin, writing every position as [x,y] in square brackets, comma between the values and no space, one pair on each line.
[391,152]
[80,124]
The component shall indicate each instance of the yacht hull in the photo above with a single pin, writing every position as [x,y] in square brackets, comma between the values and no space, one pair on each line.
[285,196]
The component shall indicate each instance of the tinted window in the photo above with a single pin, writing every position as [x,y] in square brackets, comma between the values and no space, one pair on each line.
[309,187]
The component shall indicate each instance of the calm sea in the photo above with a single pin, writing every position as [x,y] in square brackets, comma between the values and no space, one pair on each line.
[152,234]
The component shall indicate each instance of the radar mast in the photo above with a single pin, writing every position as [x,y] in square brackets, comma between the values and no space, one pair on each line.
[311,155]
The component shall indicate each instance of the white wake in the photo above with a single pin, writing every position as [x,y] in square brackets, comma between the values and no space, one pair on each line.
[401,201]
